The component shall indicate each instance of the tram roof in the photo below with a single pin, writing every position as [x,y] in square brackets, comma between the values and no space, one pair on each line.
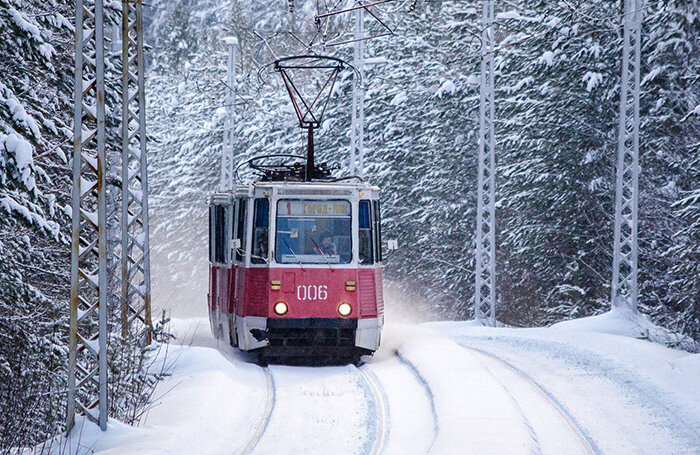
[319,184]
[286,188]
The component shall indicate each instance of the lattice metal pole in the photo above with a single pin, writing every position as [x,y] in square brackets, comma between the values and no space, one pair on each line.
[87,365]
[357,134]
[227,151]
[624,285]
[485,289]
[135,258]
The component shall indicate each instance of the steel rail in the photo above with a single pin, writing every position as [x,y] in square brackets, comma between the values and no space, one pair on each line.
[266,415]
[428,392]
[566,417]
[382,409]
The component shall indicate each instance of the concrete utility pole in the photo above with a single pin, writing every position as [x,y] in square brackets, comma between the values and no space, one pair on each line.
[624,284]
[485,290]
[227,151]
[135,257]
[87,365]
[357,133]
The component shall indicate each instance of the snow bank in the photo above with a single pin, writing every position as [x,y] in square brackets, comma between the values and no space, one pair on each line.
[625,323]
[210,404]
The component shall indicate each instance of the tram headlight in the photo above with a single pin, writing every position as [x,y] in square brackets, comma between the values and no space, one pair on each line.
[344,309]
[281,308]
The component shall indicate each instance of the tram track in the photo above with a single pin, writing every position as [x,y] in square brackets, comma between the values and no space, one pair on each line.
[428,393]
[542,392]
[266,415]
[382,409]
[372,385]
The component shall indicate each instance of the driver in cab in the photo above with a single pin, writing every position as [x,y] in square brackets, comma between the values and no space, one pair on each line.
[327,247]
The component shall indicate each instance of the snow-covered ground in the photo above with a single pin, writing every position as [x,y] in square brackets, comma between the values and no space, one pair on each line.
[586,386]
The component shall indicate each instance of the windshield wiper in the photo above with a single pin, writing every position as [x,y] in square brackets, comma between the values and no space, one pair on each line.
[322,253]
[294,255]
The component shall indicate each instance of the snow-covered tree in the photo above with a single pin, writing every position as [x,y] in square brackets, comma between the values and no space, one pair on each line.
[35,89]
[558,70]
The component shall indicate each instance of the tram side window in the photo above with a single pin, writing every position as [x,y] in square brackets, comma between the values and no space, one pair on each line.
[365,233]
[220,237]
[241,227]
[261,231]
[378,231]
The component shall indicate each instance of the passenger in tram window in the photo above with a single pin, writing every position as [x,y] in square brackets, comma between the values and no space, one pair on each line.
[261,249]
[259,255]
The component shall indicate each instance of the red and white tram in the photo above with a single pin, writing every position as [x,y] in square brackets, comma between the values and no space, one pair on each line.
[296,269]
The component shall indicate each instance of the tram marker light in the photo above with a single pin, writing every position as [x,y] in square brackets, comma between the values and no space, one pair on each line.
[344,309]
[275,285]
[349,285]
[281,308]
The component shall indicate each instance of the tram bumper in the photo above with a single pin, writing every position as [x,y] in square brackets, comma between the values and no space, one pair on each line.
[310,336]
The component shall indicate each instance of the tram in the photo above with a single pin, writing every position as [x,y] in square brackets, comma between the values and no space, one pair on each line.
[296,269]
[295,255]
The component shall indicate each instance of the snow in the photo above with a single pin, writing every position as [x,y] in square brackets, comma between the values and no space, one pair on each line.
[399,98]
[651,75]
[25,25]
[22,151]
[465,398]
[376,60]
[582,386]
[447,87]
[11,206]
[591,79]
[547,58]
[19,114]
[621,321]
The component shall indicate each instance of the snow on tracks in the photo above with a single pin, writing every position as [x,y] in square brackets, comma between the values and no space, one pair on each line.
[265,416]
[556,430]
[475,413]
[379,398]
[319,410]
[376,425]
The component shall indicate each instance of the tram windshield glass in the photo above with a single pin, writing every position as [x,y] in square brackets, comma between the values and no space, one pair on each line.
[313,232]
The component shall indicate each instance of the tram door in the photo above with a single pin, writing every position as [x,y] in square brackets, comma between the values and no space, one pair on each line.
[238,262]
[219,257]
[370,256]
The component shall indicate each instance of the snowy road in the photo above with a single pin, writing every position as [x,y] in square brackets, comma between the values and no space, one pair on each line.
[439,388]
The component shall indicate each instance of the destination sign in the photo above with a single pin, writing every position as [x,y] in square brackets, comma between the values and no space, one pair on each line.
[313,208]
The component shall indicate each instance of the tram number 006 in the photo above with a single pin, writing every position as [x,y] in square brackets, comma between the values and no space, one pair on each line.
[312,292]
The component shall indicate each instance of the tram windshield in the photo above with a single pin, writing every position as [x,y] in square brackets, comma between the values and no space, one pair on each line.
[313,232]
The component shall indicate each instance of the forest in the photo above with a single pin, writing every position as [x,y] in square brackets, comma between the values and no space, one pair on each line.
[557,109]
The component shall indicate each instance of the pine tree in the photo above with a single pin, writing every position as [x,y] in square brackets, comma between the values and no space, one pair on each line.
[557,79]
[35,87]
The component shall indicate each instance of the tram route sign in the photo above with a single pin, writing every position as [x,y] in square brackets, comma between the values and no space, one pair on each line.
[314,208]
